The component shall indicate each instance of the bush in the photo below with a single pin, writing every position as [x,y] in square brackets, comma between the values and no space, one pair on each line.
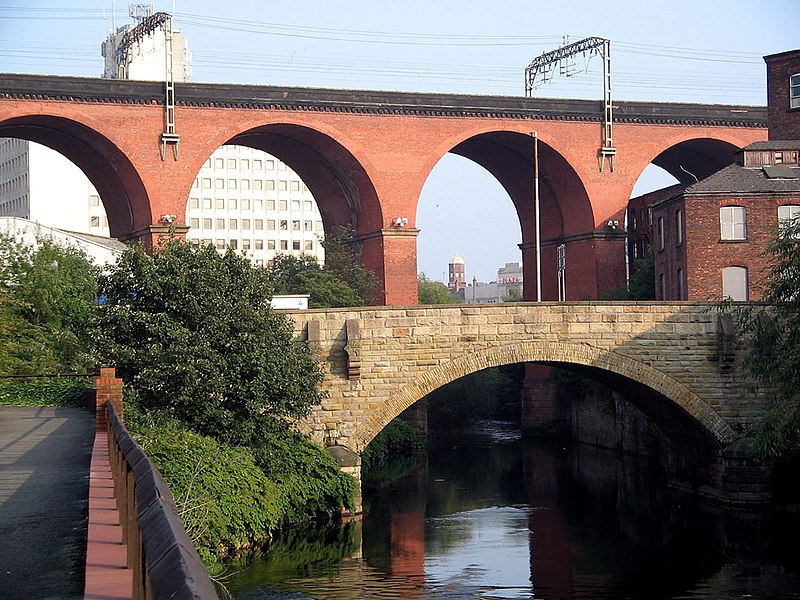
[45,391]
[397,440]
[225,501]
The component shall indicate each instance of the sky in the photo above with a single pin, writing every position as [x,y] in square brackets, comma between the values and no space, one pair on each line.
[677,51]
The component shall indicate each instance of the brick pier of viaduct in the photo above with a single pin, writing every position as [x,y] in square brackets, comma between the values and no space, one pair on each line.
[670,360]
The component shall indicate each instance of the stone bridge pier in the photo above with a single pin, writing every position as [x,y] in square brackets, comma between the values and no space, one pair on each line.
[675,362]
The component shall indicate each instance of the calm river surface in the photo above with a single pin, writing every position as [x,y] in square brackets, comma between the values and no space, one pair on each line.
[490,515]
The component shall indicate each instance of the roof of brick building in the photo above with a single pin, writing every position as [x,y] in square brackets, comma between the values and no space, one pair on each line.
[739,179]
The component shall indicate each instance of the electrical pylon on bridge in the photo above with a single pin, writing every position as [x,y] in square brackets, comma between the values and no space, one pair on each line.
[544,66]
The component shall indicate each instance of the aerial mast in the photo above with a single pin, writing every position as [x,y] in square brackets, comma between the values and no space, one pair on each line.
[542,69]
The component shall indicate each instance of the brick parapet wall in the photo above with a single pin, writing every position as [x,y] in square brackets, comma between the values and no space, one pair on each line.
[107,388]
[406,352]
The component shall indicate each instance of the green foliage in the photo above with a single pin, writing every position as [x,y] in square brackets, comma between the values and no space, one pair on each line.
[310,480]
[343,260]
[642,283]
[772,352]
[434,292]
[193,333]
[304,275]
[47,298]
[225,501]
[514,295]
[341,282]
[397,440]
[45,391]
[488,394]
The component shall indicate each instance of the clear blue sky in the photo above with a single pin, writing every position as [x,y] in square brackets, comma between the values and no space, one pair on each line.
[680,50]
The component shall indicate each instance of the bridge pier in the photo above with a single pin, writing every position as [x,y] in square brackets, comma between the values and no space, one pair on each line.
[350,462]
[543,412]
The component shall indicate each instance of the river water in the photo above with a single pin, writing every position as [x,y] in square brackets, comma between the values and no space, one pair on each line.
[490,515]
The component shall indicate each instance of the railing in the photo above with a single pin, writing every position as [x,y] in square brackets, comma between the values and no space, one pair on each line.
[163,559]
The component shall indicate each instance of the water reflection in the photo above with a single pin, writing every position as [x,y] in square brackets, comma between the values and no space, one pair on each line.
[488,515]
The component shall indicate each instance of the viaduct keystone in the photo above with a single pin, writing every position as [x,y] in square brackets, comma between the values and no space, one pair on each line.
[673,361]
[366,155]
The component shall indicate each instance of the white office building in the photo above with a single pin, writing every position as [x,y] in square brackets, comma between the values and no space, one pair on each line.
[242,198]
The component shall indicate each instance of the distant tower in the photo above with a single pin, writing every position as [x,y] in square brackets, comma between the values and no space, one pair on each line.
[457,279]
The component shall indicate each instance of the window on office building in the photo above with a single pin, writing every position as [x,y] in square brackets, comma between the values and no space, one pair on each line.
[309,246]
[245,204]
[282,185]
[233,224]
[258,224]
[295,186]
[206,223]
[220,223]
[258,184]
[296,245]
[245,164]
[257,164]
[194,223]
[194,202]
[270,183]
[245,244]
[270,244]
[219,163]
[207,203]
[245,223]
[259,244]
[232,203]
[270,225]
[295,225]
[231,163]
[231,184]
[284,245]
[220,203]
[219,183]
[732,223]
[94,200]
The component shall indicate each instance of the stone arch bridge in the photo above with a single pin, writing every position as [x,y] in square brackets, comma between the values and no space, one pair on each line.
[673,361]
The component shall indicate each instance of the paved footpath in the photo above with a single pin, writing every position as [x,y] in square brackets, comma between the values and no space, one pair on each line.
[44,491]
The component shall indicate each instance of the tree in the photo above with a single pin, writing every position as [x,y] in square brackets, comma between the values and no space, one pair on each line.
[49,295]
[304,275]
[343,261]
[434,292]
[193,333]
[343,281]
[772,353]
[642,283]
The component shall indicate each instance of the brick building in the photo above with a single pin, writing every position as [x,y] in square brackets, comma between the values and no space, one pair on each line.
[708,239]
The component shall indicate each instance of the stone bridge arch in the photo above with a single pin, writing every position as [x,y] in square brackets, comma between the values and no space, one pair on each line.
[562,354]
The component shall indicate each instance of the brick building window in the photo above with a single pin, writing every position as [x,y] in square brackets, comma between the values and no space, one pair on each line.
[787,214]
[678,227]
[660,233]
[681,285]
[732,223]
[734,283]
[662,287]
[794,91]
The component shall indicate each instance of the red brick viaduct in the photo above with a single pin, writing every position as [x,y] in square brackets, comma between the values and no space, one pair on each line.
[365,155]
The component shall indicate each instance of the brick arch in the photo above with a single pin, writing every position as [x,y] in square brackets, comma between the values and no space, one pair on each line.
[339,182]
[556,353]
[117,181]
[696,158]
[565,206]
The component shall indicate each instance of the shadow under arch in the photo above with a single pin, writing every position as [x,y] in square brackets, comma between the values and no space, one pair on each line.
[692,160]
[671,397]
[119,185]
[339,183]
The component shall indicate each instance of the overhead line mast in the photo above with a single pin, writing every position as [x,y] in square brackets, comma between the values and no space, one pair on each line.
[543,66]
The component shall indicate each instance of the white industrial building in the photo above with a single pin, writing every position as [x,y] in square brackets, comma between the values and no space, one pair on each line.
[243,198]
